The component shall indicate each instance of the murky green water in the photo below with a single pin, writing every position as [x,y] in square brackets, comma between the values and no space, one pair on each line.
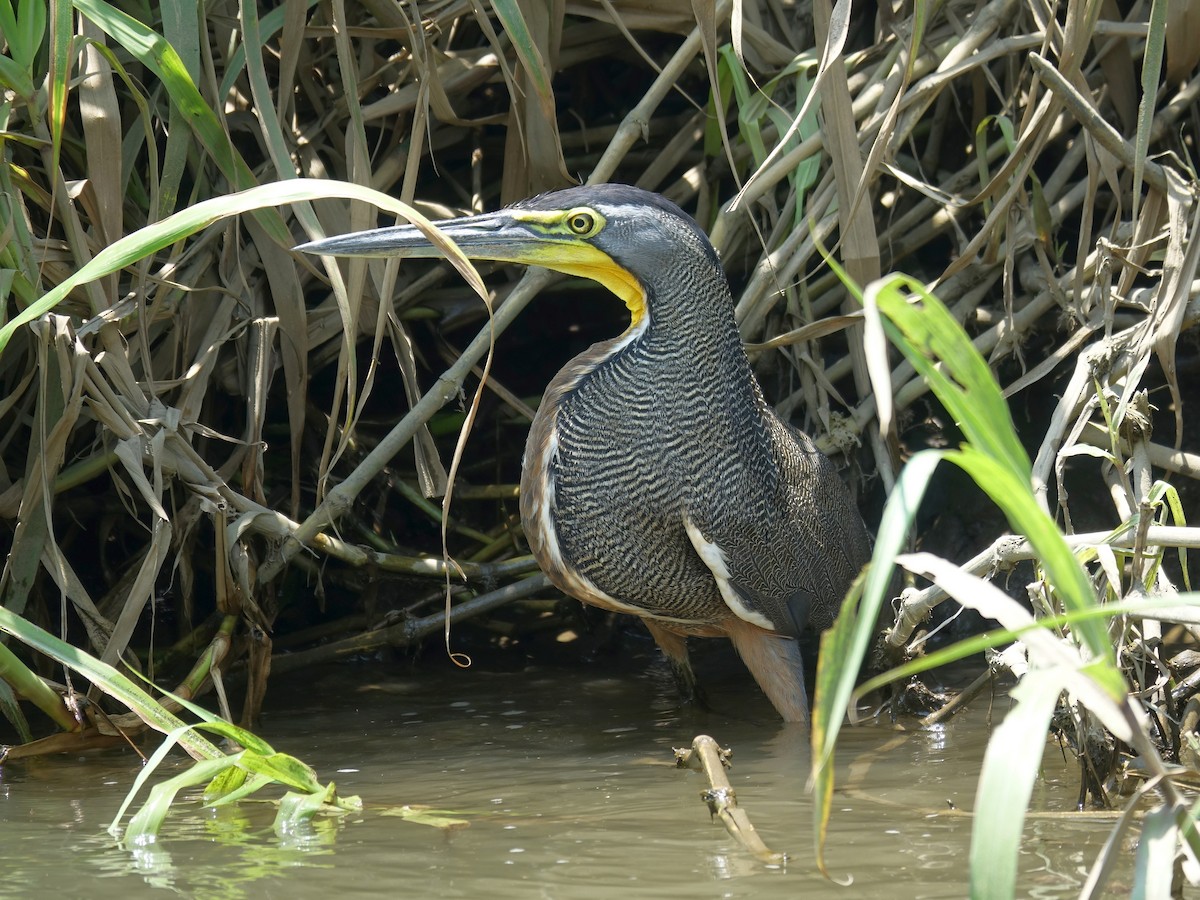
[566,778]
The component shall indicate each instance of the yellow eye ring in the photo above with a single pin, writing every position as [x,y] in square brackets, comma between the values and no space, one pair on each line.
[581,222]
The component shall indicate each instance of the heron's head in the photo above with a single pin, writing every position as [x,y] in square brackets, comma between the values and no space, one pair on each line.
[625,238]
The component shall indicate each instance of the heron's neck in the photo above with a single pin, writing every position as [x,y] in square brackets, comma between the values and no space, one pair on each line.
[690,318]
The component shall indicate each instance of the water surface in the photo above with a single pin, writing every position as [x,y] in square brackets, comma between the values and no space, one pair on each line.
[566,778]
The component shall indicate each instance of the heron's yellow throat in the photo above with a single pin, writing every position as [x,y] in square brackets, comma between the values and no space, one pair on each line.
[566,249]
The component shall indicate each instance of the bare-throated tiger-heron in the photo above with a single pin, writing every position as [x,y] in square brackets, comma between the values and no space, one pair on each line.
[657,481]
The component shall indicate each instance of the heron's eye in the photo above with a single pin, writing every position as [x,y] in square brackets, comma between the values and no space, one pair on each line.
[581,222]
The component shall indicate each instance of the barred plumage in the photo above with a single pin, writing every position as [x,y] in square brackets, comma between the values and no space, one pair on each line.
[657,481]
[668,426]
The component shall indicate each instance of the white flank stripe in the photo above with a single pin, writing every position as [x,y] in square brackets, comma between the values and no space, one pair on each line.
[714,558]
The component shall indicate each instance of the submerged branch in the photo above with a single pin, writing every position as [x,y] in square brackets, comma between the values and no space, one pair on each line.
[706,756]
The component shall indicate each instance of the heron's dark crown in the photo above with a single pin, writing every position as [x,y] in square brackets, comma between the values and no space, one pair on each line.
[605,194]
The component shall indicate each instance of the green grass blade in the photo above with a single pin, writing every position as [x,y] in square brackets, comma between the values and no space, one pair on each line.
[106,678]
[844,646]
[271,23]
[298,809]
[1015,498]
[1189,828]
[151,765]
[1166,494]
[181,29]
[188,221]
[1156,37]
[937,347]
[1154,864]
[232,785]
[11,710]
[15,78]
[1139,605]
[225,784]
[26,45]
[60,72]
[23,29]
[1010,767]
[1088,680]
[144,826]
[28,685]
[285,770]
[257,755]
[514,24]
[261,758]
[156,53]
[10,27]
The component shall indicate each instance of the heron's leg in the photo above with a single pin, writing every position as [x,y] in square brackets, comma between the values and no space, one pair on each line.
[776,664]
[674,648]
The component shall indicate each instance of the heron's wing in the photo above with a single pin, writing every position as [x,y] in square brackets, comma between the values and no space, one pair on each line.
[785,557]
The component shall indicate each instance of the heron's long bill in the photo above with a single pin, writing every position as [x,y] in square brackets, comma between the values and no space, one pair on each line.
[558,240]
[496,236]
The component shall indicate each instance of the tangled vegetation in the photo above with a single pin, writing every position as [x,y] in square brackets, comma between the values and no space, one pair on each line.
[203,459]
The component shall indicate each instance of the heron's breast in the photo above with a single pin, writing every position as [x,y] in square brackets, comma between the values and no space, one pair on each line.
[603,496]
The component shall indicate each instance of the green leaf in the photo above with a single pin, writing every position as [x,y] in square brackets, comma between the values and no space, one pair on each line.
[15,673]
[16,77]
[1154,864]
[938,348]
[186,222]
[144,826]
[1015,498]
[151,764]
[1166,494]
[844,646]
[1138,605]
[271,23]
[11,710]
[225,783]
[1010,767]
[246,784]
[1087,680]
[8,18]
[514,24]
[284,769]
[156,53]
[61,40]
[1151,74]
[107,679]
[297,809]
[23,30]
